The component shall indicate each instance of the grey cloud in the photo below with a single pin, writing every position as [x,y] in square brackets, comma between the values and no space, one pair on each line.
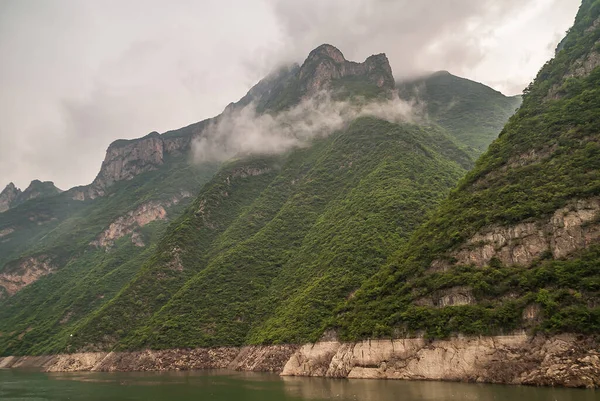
[78,74]
[244,132]
[416,35]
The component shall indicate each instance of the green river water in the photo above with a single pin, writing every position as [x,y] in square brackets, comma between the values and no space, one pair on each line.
[234,386]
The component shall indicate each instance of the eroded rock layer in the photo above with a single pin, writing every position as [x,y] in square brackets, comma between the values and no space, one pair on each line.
[563,360]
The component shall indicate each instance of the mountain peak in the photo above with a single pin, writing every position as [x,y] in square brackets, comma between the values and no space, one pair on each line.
[326,64]
[38,189]
[329,51]
[11,186]
[8,196]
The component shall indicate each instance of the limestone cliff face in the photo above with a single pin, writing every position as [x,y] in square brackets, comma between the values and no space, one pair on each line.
[26,271]
[326,63]
[564,360]
[8,196]
[569,229]
[126,159]
[133,220]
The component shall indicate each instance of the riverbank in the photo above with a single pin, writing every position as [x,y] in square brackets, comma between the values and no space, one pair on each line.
[562,360]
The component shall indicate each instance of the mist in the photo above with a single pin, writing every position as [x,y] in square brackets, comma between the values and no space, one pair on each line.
[243,132]
[78,74]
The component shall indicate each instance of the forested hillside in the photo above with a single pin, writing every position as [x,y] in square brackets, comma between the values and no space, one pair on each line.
[516,244]
[169,248]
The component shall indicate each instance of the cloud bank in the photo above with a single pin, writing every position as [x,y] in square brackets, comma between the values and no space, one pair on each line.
[242,132]
[78,74]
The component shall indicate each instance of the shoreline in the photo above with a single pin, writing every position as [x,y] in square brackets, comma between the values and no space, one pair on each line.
[565,360]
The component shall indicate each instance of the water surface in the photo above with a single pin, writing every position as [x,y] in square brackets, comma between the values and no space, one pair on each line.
[236,386]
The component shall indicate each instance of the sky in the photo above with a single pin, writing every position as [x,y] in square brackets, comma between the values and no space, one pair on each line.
[79,74]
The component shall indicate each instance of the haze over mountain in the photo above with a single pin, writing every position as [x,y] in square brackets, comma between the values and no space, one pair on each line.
[174,63]
[335,221]
[304,145]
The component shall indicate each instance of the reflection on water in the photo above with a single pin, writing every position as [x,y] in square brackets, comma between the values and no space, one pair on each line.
[245,386]
[392,390]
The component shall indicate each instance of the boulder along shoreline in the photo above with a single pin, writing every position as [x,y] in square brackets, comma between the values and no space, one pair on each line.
[565,360]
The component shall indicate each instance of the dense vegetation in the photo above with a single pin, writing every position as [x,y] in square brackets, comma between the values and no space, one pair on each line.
[326,220]
[547,156]
[472,112]
[267,252]
[61,229]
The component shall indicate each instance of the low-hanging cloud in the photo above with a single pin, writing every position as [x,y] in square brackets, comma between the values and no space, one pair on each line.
[424,35]
[241,132]
[70,86]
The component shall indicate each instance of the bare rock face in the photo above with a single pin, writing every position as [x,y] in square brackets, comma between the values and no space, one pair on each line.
[125,159]
[25,272]
[6,231]
[8,196]
[326,63]
[583,66]
[134,219]
[562,360]
[454,296]
[569,229]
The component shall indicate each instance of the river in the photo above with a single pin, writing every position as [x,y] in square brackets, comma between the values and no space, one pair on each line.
[235,386]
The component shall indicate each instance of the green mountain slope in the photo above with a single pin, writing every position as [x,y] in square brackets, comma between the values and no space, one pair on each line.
[516,244]
[12,196]
[64,257]
[267,250]
[472,112]
[325,222]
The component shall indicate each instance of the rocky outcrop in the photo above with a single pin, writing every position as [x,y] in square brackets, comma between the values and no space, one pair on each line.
[569,229]
[39,189]
[250,358]
[454,296]
[326,64]
[517,359]
[6,231]
[12,196]
[135,219]
[583,66]
[563,360]
[25,272]
[8,196]
[125,159]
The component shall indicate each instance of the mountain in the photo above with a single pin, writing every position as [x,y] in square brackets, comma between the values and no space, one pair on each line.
[161,252]
[272,245]
[472,112]
[516,245]
[8,196]
[325,69]
[12,196]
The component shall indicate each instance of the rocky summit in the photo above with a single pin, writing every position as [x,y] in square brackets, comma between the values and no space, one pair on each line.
[457,241]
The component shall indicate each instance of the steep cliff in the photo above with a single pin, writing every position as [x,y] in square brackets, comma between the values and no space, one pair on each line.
[325,69]
[326,64]
[517,244]
[562,360]
[126,159]
[8,196]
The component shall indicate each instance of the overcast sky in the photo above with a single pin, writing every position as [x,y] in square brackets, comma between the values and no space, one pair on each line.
[76,75]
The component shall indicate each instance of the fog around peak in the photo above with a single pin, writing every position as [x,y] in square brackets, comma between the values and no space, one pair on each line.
[77,75]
